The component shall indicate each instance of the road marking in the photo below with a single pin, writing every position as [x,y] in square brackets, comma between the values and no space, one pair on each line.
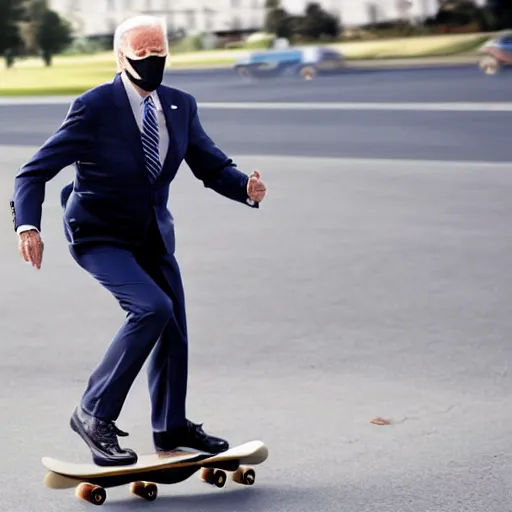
[423,106]
[406,163]
[23,101]
[329,106]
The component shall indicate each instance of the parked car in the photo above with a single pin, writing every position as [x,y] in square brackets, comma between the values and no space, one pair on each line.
[497,52]
[306,63]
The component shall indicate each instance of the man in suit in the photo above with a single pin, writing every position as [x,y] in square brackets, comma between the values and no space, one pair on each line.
[127,139]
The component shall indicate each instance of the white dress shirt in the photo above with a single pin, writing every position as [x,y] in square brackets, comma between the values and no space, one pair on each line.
[137,104]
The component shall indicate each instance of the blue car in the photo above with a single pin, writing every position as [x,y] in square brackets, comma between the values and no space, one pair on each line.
[306,63]
[497,53]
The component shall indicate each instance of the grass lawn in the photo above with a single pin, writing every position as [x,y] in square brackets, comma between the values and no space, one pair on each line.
[413,47]
[74,74]
[67,75]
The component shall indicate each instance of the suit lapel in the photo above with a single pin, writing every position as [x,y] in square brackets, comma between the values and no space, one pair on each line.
[127,123]
[165,100]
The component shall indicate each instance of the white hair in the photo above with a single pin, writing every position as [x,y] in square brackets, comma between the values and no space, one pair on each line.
[137,22]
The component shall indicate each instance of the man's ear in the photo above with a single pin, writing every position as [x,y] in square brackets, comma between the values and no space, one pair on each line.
[125,64]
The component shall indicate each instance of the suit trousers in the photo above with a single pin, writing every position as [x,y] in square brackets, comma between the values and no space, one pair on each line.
[148,286]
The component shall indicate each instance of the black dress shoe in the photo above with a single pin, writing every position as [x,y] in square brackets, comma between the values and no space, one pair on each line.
[189,436]
[101,437]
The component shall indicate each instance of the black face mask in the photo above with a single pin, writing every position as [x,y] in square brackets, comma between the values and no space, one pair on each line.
[151,71]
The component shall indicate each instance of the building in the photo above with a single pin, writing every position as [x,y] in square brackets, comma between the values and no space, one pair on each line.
[100,17]
[354,13]
[93,18]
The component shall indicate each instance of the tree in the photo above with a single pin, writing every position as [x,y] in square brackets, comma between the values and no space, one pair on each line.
[34,14]
[502,12]
[277,19]
[53,35]
[277,22]
[318,23]
[11,12]
[463,12]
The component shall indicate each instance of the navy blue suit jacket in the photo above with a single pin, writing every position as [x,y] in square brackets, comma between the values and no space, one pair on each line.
[112,198]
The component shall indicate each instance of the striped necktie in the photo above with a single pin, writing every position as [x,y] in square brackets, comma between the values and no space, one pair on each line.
[150,138]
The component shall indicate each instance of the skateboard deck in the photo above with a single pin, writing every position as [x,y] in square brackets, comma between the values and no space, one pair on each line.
[91,480]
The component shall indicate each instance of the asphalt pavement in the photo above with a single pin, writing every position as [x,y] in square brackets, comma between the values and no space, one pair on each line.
[374,282]
[428,83]
[351,132]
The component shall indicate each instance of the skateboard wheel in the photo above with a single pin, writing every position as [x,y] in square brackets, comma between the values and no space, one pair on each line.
[151,492]
[92,493]
[145,490]
[220,479]
[214,477]
[244,476]
[207,475]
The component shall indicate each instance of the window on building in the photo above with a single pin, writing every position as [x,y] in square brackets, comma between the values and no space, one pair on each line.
[110,5]
[208,22]
[373,13]
[236,24]
[191,19]
[235,4]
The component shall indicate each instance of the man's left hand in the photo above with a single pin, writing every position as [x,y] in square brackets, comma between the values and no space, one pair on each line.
[256,189]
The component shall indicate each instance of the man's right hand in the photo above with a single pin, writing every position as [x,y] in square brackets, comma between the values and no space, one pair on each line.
[31,247]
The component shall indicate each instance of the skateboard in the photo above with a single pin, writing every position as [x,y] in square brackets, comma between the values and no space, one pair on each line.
[90,480]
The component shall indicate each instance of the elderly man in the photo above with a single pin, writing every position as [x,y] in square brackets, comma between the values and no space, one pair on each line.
[127,139]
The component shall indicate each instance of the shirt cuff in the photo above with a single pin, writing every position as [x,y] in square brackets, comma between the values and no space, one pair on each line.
[25,227]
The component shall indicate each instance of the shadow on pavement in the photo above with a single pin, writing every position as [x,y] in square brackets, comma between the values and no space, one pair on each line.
[244,499]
